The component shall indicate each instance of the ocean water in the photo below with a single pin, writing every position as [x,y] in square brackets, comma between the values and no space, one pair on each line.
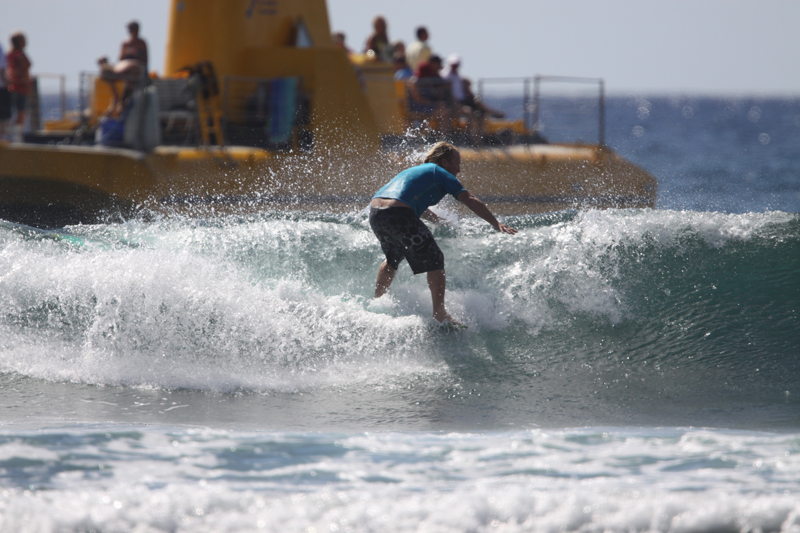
[623,370]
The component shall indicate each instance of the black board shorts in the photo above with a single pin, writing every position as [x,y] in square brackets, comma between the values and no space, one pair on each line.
[19,102]
[5,104]
[404,236]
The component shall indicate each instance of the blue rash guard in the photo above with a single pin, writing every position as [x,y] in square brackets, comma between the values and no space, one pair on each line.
[421,187]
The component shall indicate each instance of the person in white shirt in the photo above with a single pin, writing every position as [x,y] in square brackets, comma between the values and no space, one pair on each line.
[418,51]
[452,75]
[467,104]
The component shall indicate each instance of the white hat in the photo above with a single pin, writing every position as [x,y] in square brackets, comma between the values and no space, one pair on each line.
[454,59]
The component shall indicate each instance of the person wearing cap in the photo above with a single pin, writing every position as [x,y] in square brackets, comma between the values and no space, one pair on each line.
[466,103]
[452,76]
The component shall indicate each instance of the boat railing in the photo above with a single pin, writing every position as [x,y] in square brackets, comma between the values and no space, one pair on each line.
[561,109]
[45,96]
[425,104]
[94,96]
[251,111]
[86,83]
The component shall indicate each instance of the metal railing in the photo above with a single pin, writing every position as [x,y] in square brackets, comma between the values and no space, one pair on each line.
[61,93]
[37,95]
[86,81]
[529,89]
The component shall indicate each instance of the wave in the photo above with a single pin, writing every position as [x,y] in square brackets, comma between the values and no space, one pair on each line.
[283,302]
[598,479]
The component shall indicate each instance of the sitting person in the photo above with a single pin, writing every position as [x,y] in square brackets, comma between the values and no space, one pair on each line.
[476,103]
[378,46]
[339,39]
[131,66]
[430,93]
[431,84]
[398,47]
[401,69]
[126,70]
[467,104]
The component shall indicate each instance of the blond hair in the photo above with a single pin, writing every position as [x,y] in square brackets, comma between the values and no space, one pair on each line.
[441,151]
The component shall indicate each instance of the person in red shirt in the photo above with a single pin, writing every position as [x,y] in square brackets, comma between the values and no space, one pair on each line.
[18,77]
[5,96]
[430,93]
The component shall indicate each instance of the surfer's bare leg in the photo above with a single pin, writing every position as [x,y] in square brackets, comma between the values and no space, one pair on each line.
[385,277]
[437,282]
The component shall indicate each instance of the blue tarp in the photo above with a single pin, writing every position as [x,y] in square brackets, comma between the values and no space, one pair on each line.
[282,108]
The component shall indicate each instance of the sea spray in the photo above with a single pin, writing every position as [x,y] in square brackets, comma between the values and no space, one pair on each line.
[656,301]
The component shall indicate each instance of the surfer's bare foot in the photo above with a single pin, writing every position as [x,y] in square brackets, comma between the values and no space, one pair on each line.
[445,318]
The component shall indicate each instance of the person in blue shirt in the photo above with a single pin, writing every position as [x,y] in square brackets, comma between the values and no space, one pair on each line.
[395,213]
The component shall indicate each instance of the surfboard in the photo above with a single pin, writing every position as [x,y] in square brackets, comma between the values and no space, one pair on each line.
[447,327]
[37,233]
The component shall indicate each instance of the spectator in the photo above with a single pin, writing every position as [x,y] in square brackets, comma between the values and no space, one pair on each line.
[476,103]
[132,65]
[19,82]
[135,48]
[339,42]
[418,51]
[430,93]
[378,43]
[5,96]
[430,83]
[401,69]
[466,103]
[127,71]
[452,76]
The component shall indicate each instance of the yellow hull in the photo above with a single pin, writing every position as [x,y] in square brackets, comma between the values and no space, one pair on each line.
[58,185]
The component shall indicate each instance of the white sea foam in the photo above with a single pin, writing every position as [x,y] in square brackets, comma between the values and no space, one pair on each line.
[548,481]
[284,303]
[185,311]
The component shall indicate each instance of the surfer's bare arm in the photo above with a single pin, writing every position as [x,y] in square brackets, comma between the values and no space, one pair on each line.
[479,208]
[432,217]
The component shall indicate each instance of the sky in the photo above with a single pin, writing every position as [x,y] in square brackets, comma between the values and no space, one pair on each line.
[725,47]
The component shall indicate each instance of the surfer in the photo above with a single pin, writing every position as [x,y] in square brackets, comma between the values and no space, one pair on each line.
[395,213]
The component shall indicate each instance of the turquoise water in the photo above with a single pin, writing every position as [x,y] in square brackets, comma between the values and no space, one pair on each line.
[236,375]
[623,370]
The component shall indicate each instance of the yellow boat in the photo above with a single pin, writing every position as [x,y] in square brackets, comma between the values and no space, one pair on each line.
[256,111]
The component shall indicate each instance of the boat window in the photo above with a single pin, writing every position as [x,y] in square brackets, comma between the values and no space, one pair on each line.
[303,37]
